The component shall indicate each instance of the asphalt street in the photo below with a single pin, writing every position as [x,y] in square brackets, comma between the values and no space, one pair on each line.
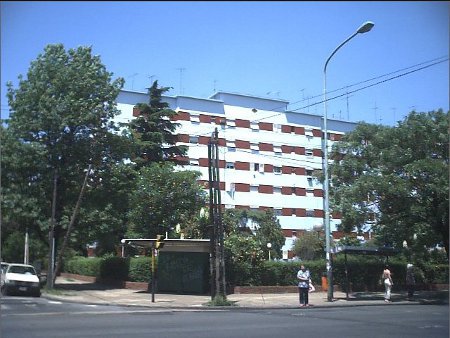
[40,317]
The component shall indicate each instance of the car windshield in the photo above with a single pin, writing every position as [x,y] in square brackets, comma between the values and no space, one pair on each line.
[26,270]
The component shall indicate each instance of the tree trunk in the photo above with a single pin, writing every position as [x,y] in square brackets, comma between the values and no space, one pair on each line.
[70,227]
[51,232]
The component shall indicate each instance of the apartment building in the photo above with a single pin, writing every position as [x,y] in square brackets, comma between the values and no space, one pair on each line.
[268,156]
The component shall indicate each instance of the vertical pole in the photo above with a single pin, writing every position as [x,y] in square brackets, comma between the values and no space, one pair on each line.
[221,247]
[326,190]
[346,275]
[153,275]
[212,245]
[216,187]
[26,249]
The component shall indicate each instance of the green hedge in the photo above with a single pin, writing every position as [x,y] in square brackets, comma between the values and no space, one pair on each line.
[84,266]
[105,268]
[140,269]
[363,271]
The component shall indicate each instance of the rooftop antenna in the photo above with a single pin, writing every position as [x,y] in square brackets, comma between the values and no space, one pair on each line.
[394,109]
[181,79]
[132,80]
[151,79]
[348,106]
[215,82]
[375,108]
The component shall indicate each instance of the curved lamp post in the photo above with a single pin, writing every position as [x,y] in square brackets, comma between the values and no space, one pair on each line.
[364,28]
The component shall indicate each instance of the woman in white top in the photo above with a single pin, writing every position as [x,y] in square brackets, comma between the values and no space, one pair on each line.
[303,276]
[387,280]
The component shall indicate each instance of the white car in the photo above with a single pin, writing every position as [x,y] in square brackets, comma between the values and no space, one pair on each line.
[20,279]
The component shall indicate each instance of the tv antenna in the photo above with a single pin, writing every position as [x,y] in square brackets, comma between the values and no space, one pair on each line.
[181,70]
[151,77]
[375,108]
[132,80]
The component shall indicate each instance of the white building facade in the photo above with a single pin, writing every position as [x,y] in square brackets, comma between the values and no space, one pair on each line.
[268,156]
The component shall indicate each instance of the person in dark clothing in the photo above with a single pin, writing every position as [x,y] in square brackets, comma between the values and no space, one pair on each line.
[410,281]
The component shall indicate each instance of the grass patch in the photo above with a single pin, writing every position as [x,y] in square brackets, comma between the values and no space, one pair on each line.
[56,292]
[221,301]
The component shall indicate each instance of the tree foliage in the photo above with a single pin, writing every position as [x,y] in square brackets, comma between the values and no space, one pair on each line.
[395,179]
[162,199]
[266,227]
[61,121]
[309,246]
[153,132]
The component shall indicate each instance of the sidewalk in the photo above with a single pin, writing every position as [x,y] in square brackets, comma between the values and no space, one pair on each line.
[72,290]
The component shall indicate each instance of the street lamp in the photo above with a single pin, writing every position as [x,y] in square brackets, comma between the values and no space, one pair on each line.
[364,28]
[269,246]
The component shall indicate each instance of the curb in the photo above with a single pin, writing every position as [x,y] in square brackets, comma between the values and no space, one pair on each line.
[334,304]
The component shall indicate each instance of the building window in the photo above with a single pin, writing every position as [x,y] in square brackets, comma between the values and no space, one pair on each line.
[231,146]
[231,124]
[254,148]
[254,126]
[277,212]
[309,152]
[309,133]
[309,213]
[277,170]
[195,119]
[253,188]
[230,165]
[277,128]
[277,150]
[193,139]
[277,190]
[309,192]
[194,162]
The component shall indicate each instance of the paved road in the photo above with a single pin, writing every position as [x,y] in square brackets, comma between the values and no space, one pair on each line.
[39,317]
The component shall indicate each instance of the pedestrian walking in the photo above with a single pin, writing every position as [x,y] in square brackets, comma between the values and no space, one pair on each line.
[303,276]
[388,283]
[410,281]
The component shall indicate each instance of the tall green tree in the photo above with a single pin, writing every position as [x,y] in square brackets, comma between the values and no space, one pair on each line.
[152,131]
[396,179]
[309,246]
[64,108]
[262,226]
[162,199]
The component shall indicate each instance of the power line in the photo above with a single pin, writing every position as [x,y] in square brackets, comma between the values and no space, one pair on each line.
[445,58]
[435,62]
[372,85]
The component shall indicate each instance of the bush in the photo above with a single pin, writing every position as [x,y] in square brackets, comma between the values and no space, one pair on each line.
[139,269]
[114,268]
[84,266]
[363,271]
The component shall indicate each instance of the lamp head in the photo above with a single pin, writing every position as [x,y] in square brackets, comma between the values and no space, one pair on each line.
[365,27]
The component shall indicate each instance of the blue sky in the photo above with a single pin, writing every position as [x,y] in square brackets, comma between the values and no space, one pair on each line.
[268,49]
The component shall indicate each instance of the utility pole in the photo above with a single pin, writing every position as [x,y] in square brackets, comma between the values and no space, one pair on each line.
[217,262]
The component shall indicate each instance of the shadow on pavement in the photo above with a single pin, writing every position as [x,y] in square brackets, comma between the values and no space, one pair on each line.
[422,297]
[83,287]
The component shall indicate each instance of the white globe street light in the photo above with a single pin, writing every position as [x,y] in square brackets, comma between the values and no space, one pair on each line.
[269,246]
